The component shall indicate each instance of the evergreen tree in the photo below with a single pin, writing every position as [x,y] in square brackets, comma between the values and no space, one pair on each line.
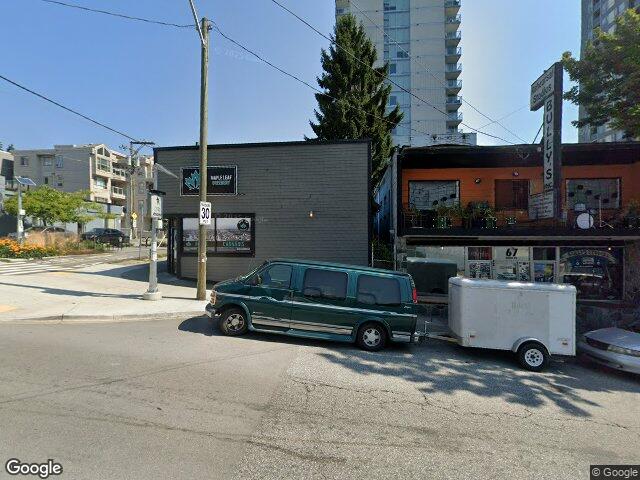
[353,105]
[609,77]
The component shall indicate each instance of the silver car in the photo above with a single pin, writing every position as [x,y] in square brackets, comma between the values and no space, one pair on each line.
[617,348]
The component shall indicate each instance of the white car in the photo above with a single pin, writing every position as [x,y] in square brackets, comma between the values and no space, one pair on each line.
[617,348]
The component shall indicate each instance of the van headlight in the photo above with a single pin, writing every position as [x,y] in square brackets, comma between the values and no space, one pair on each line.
[623,351]
[213,297]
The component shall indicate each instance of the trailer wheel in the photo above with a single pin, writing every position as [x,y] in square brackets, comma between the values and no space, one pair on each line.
[533,356]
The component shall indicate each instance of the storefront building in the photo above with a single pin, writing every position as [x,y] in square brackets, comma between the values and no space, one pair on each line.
[479,206]
[306,200]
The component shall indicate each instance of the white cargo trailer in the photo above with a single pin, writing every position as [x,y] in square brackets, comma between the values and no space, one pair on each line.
[534,320]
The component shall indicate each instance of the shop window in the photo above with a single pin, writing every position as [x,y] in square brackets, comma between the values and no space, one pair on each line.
[593,194]
[378,290]
[544,264]
[325,283]
[511,264]
[512,194]
[431,194]
[228,235]
[597,273]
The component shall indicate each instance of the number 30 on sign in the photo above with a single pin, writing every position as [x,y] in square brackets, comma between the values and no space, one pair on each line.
[205,213]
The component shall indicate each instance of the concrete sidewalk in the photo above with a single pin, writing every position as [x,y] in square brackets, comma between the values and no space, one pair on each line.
[99,293]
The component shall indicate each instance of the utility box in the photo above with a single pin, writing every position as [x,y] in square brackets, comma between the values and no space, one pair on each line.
[506,315]
[431,275]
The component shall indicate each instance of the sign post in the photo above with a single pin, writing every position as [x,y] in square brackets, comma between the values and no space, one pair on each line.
[547,91]
[155,202]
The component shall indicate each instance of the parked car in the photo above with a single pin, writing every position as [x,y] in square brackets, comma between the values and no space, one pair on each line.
[348,303]
[617,348]
[106,235]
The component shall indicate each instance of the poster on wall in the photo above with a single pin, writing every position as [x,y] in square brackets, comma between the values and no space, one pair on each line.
[233,235]
[543,272]
[480,269]
[221,180]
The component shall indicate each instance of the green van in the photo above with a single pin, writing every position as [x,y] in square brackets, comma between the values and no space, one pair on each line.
[348,303]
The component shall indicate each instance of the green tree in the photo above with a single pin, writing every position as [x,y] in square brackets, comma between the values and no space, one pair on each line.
[51,205]
[608,77]
[353,105]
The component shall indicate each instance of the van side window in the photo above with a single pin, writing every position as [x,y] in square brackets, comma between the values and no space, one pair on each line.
[378,290]
[325,284]
[276,276]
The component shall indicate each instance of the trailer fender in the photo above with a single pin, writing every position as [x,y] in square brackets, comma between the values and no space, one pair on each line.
[518,343]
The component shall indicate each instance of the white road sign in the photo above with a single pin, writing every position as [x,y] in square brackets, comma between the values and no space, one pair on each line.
[156,206]
[542,88]
[205,213]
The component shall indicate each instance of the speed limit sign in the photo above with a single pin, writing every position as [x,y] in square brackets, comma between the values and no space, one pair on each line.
[205,213]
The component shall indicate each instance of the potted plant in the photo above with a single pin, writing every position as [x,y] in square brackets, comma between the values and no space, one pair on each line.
[631,218]
[490,220]
[443,220]
[457,214]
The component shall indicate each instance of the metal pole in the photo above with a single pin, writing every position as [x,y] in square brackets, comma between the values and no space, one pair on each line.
[20,226]
[152,293]
[204,93]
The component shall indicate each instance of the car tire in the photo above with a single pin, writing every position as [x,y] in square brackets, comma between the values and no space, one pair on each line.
[371,337]
[233,322]
[533,356]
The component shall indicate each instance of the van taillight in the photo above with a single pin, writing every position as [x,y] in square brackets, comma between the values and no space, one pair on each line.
[414,295]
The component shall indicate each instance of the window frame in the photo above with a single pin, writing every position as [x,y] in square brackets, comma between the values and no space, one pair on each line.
[381,277]
[212,252]
[514,199]
[322,295]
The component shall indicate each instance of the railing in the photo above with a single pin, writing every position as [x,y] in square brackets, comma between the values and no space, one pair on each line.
[452,3]
[511,221]
[454,83]
[455,117]
[453,67]
[453,35]
[454,19]
[454,51]
[454,100]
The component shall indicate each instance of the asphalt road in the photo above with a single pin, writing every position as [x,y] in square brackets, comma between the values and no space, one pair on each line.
[166,400]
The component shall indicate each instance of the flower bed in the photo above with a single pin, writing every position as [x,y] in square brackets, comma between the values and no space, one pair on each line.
[12,249]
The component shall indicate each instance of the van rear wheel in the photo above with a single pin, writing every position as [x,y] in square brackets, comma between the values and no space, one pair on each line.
[371,337]
[233,322]
[533,356]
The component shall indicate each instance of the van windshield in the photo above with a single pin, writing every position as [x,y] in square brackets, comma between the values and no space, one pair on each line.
[242,278]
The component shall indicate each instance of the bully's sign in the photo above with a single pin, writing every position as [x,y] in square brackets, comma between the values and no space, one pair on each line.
[221,180]
[547,91]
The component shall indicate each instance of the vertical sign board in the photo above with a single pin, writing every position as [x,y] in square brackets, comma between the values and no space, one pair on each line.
[156,207]
[547,92]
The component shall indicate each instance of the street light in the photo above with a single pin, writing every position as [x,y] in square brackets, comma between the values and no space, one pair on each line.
[27,182]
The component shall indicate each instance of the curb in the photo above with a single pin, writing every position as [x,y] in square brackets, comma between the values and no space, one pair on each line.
[71,318]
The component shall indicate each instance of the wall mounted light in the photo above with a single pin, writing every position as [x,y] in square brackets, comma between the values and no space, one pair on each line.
[516,173]
[311,214]
[477,180]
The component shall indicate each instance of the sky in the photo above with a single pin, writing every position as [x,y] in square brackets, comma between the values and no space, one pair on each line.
[144,79]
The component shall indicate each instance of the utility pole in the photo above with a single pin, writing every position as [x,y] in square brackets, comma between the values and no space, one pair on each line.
[203,31]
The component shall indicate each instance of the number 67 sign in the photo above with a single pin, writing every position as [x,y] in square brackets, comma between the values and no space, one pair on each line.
[205,213]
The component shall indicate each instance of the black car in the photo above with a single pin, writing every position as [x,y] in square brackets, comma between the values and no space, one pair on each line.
[106,235]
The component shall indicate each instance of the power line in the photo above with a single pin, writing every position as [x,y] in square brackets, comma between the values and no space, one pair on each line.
[120,15]
[298,79]
[67,108]
[505,116]
[492,121]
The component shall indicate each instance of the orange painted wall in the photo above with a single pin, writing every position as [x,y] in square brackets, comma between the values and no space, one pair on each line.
[484,191]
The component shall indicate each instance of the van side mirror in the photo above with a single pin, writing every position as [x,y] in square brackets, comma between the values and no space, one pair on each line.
[312,292]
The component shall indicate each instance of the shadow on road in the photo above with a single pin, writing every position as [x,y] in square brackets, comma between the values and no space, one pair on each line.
[441,367]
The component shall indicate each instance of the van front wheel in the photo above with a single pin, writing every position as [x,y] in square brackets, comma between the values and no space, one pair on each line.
[371,337]
[233,322]
[533,356]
